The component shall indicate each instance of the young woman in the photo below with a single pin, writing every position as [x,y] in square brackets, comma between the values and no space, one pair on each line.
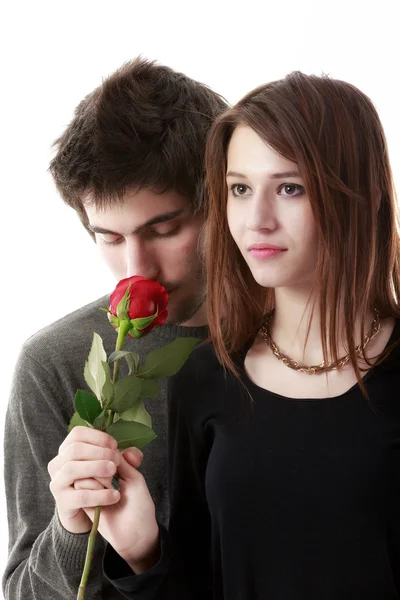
[285,431]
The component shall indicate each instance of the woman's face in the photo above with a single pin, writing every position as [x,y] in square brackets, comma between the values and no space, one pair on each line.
[269,213]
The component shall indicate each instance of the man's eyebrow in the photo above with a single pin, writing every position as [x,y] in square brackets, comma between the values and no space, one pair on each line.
[162,218]
[282,175]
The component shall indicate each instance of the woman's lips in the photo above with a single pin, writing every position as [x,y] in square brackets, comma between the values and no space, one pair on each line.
[265,251]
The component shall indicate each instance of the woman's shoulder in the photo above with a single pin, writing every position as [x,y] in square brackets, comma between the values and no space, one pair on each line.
[390,356]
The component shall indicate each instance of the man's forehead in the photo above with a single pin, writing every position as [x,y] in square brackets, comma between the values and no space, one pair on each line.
[136,211]
[138,201]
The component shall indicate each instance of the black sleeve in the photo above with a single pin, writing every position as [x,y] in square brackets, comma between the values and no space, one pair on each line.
[183,571]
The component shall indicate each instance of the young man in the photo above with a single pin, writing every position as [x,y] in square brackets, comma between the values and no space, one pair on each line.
[131,164]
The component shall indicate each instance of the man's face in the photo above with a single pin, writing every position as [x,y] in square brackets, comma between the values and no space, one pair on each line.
[155,236]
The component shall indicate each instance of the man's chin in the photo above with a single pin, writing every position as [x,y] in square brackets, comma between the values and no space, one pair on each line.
[180,312]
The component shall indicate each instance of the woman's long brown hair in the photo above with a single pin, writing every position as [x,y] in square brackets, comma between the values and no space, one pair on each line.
[333,132]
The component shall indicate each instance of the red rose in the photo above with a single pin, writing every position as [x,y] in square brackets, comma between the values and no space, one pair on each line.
[139,298]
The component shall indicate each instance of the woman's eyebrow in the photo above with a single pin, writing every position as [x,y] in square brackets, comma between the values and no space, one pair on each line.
[282,175]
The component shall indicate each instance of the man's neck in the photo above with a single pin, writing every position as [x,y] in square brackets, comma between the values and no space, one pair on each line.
[198,319]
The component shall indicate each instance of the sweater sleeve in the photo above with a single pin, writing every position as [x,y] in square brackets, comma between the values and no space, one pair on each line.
[45,560]
[183,571]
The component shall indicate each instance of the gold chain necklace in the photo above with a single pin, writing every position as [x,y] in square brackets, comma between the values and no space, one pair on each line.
[322,367]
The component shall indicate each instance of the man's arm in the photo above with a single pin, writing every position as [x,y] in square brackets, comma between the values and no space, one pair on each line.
[182,570]
[45,560]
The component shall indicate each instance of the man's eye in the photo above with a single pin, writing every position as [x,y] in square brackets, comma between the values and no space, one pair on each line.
[291,189]
[240,189]
[110,238]
[165,231]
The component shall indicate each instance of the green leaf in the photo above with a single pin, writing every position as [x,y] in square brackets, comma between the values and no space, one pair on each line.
[94,373]
[150,389]
[126,393]
[118,354]
[128,433]
[138,414]
[132,358]
[107,392]
[143,322]
[87,406]
[167,360]
[89,379]
[75,421]
[101,421]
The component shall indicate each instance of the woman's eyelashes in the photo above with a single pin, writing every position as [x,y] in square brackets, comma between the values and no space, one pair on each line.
[240,189]
[291,189]
[285,189]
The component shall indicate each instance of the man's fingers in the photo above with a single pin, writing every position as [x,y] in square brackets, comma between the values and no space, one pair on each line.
[82,469]
[82,451]
[93,484]
[131,461]
[89,436]
[77,499]
[134,456]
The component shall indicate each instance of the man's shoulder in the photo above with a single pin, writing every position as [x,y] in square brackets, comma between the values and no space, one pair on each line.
[71,333]
[202,363]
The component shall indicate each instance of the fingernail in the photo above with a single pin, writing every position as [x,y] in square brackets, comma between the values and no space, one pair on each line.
[114,483]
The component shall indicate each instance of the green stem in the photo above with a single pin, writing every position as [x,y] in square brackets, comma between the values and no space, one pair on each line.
[89,555]
[122,333]
[110,419]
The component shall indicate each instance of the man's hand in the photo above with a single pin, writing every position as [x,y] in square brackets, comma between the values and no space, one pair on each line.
[81,479]
[86,455]
[130,525]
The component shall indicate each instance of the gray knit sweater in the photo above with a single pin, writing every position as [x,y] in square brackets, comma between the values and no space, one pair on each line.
[45,561]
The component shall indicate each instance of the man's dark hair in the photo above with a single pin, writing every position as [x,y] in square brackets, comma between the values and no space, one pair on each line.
[145,126]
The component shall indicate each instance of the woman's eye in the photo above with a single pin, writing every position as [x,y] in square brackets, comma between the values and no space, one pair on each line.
[239,189]
[291,189]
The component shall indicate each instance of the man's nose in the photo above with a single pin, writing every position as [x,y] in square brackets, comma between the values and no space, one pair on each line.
[140,260]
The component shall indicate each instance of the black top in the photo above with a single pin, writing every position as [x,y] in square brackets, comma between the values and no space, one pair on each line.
[280,498]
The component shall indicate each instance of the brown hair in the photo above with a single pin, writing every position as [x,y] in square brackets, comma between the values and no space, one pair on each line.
[333,132]
[145,126]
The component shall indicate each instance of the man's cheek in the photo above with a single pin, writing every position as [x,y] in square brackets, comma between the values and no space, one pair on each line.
[188,244]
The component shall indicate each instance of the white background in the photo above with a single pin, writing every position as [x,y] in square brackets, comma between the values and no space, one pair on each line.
[52,54]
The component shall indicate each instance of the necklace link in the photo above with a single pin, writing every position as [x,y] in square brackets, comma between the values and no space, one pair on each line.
[324,366]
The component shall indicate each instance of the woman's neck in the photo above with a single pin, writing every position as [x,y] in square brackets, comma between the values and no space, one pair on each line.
[290,326]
